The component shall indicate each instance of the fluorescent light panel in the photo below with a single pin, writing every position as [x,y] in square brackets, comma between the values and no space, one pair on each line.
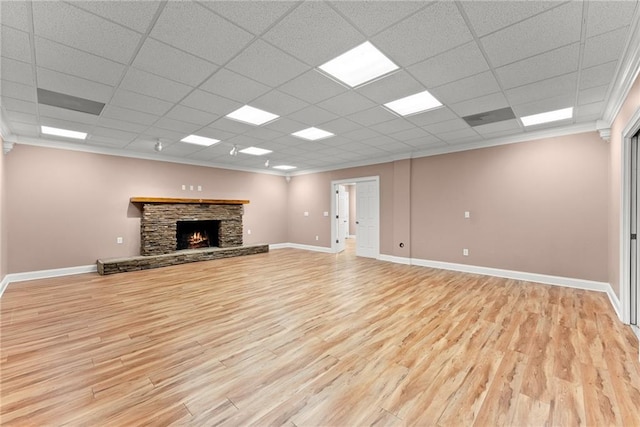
[252,115]
[199,140]
[284,167]
[47,130]
[413,104]
[312,134]
[359,65]
[549,116]
[255,151]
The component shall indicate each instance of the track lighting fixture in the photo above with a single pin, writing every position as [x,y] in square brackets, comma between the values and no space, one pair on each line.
[234,151]
[158,147]
[266,164]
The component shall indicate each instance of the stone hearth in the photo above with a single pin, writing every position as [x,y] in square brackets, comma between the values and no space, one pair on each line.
[158,233]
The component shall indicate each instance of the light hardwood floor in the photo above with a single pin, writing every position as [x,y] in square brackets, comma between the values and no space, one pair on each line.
[308,339]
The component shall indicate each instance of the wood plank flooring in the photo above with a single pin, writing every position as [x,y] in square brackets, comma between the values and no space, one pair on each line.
[298,338]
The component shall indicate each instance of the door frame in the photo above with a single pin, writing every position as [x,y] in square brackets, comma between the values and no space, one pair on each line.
[334,188]
[632,128]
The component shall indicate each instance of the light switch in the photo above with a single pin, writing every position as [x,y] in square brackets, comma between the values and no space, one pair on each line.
[306,213]
[326,213]
[467,214]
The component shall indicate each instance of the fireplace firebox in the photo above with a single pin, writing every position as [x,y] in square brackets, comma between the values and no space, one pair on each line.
[197,234]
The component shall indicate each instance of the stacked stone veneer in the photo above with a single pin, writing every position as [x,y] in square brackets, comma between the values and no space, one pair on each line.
[159,222]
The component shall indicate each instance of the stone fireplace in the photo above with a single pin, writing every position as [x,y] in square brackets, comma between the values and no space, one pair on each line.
[178,231]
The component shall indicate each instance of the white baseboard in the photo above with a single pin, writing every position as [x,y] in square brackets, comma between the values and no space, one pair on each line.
[615,302]
[300,246]
[395,259]
[44,274]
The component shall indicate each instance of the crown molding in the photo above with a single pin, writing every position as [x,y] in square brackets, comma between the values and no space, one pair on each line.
[626,74]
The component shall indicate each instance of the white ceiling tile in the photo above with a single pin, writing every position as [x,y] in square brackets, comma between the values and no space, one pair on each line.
[604,48]
[15,44]
[455,64]
[432,116]
[15,14]
[346,103]
[592,95]
[409,134]
[425,143]
[151,85]
[549,30]
[65,124]
[467,88]
[285,125]
[16,71]
[361,134]
[254,16]
[218,134]
[340,126]
[446,126]
[176,125]
[266,64]
[597,76]
[481,104]
[312,87]
[210,103]
[546,104]
[427,33]
[165,134]
[167,61]
[379,141]
[372,116]
[555,86]
[234,86]
[230,126]
[279,103]
[180,149]
[372,17]
[17,91]
[512,125]
[107,141]
[15,117]
[136,15]
[393,126]
[74,86]
[263,133]
[120,124]
[197,30]
[489,16]
[549,64]
[57,57]
[459,136]
[74,27]
[321,34]
[118,113]
[18,105]
[24,129]
[64,114]
[116,134]
[313,115]
[134,101]
[392,87]
[604,16]
[589,110]
[191,115]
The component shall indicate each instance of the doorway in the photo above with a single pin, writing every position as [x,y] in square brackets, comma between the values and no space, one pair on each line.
[367,215]
[634,221]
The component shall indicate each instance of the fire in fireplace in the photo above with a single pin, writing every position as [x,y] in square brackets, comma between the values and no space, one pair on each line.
[197,234]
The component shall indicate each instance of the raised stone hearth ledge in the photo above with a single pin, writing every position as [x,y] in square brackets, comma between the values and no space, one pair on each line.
[121,265]
[168,200]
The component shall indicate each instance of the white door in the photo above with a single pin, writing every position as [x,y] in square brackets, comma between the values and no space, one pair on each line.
[340,218]
[367,219]
[344,211]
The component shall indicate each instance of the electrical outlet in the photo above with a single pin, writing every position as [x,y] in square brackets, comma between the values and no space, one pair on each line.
[248,231]
[467,214]
[306,214]
[465,252]
[199,187]
[119,240]
[317,237]
[184,187]
[191,187]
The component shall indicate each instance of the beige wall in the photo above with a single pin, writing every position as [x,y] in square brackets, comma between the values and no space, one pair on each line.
[67,208]
[3,220]
[630,106]
[538,207]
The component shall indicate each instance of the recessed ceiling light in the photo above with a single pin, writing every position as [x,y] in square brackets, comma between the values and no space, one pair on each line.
[359,65]
[252,115]
[255,151]
[63,132]
[284,167]
[199,140]
[413,104]
[549,116]
[312,134]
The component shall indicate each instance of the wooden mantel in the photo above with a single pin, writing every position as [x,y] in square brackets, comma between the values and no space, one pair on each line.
[168,200]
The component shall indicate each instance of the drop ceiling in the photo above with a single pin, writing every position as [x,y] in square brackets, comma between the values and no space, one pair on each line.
[165,70]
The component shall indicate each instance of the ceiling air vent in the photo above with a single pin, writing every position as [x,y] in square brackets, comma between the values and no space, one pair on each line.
[69,102]
[490,117]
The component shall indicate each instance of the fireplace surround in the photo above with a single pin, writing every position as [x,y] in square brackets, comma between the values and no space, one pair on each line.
[160,244]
